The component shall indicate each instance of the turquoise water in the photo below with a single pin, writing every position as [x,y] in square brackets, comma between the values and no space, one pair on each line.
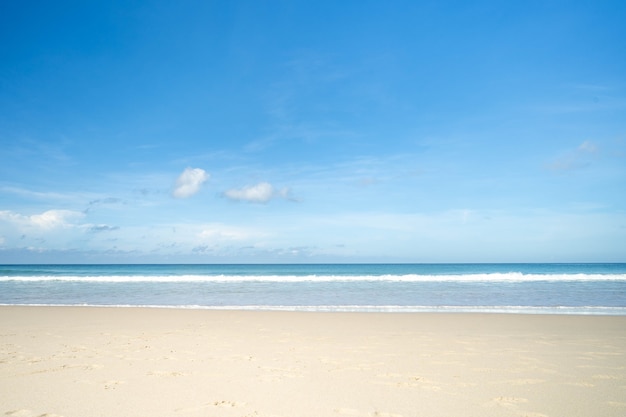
[527,288]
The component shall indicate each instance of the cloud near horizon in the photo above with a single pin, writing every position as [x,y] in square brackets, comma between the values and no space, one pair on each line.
[189,182]
[47,220]
[259,193]
[220,232]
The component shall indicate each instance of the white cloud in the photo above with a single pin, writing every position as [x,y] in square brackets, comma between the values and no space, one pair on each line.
[9,216]
[47,220]
[189,182]
[55,218]
[260,193]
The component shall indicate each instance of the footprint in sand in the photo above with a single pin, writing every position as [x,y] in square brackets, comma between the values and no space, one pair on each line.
[112,384]
[512,403]
[385,414]
[581,384]
[347,411]
[167,373]
[19,413]
[603,376]
[353,412]
[219,403]
[526,381]
[227,404]
[29,413]
[507,401]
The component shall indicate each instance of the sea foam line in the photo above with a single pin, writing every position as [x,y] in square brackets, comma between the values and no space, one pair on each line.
[490,277]
[564,310]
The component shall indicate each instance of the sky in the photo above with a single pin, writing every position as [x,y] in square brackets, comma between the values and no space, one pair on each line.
[153,131]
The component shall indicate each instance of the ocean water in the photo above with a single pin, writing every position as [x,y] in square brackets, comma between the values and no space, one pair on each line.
[514,288]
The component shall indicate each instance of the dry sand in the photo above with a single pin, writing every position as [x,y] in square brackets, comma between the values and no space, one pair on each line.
[118,362]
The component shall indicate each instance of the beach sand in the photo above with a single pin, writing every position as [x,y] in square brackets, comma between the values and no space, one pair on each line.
[116,362]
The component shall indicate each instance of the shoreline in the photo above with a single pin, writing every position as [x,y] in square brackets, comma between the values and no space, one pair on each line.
[71,361]
[382,309]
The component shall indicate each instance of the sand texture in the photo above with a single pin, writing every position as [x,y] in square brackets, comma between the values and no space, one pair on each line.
[117,362]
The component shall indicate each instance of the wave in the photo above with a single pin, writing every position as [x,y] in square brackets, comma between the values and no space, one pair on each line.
[565,310]
[488,277]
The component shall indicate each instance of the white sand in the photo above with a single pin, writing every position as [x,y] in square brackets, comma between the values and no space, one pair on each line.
[118,362]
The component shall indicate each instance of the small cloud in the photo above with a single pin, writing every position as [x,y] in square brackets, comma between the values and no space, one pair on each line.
[108,200]
[260,193]
[202,249]
[189,182]
[54,218]
[47,220]
[102,228]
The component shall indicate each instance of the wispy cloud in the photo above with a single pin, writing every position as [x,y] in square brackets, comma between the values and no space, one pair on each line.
[190,182]
[592,103]
[220,232]
[575,159]
[305,133]
[48,195]
[46,151]
[259,193]
[102,202]
[587,147]
[217,237]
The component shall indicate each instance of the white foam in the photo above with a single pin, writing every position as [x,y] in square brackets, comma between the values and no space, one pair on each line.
[565,310]
[491,277]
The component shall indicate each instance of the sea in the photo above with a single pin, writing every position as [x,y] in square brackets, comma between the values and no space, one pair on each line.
[535,288]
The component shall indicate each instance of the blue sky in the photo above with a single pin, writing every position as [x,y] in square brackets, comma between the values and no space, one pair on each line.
[319,131]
